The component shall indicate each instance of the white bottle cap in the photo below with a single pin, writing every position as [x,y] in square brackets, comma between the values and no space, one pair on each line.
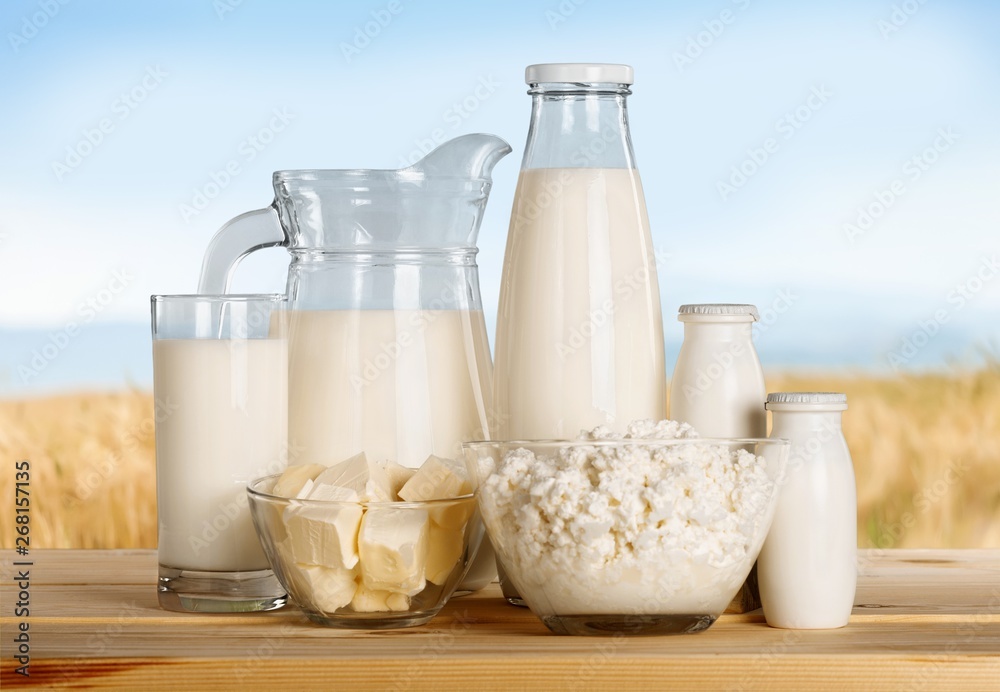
[801,401]
[711,310]
[578,73]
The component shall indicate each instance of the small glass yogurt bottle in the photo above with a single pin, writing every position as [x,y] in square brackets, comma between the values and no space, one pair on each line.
[807,569]
[718,383]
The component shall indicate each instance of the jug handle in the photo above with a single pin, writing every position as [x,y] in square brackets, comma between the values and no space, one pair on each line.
[242,235]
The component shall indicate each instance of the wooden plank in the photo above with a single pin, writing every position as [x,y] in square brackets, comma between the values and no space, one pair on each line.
[470,636]
[926,619]
[82,566]
[905,582]
[557,673]
[131,601]
[139,566]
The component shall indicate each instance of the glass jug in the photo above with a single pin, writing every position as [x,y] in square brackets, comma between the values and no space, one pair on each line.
[387,345]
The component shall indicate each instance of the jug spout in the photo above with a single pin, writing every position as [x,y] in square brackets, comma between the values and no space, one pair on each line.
[470,157]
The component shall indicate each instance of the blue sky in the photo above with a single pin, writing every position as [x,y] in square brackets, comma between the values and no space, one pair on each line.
[888,105]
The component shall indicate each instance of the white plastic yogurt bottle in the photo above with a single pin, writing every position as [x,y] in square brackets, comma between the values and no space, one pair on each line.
[807,569]
[718,383]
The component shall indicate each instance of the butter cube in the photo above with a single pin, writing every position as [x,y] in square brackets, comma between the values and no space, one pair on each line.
[284,550]
[294,477]
[444,550]
[439,479]
[373,601]
[454,515]
[326,588]
[291,572]
[336,493]
[436,479]
[327,535]
[392,545]
[398,476]
[368,479]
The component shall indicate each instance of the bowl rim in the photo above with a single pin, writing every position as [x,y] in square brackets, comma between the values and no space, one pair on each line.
[649,441]
[255,493]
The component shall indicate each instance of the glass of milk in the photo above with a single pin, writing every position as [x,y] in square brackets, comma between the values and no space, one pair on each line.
[220,369]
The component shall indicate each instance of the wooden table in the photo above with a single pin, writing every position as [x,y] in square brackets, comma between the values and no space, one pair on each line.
[925,620]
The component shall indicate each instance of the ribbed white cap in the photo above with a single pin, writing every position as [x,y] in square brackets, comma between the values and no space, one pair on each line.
[834,401]
[579,73]
[720,309]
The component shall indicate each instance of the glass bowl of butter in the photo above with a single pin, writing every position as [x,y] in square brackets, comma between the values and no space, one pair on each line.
[368,545]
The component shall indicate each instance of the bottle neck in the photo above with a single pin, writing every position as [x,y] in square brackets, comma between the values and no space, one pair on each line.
[578,126]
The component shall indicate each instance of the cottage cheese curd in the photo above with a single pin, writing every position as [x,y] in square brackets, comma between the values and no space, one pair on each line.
[616,524]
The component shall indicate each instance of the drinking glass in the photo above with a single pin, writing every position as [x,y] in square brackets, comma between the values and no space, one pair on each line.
[220,380]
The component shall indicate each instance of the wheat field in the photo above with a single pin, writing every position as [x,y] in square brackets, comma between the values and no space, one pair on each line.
[926,452]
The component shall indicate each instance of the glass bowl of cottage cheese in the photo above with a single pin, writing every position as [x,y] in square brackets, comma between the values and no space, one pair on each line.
[368,545]
[648,532]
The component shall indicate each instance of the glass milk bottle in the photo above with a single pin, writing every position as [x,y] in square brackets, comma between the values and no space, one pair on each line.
[718,383]
[807,569]
[579,330]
